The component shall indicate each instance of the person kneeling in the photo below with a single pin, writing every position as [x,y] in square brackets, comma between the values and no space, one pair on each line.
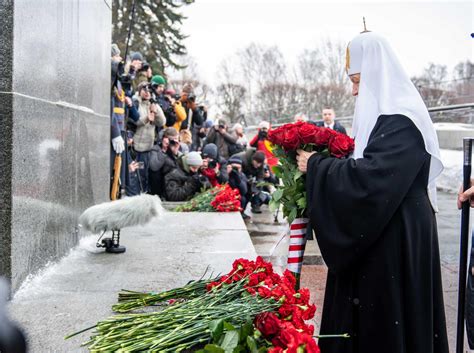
[184,181]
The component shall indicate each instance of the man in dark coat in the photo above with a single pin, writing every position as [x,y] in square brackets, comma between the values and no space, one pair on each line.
[182,183]
[329,121]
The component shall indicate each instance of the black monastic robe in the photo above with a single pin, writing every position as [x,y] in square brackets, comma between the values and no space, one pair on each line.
[377,232]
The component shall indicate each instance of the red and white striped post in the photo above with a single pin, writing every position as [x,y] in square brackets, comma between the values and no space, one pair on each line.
[297,247]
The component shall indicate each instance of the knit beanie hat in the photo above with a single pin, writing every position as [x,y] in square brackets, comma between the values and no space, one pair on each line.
[170,132]
[259,157]
[208,124]
[115,50]
[158,80]
[234,160]
[193,159]
[210,150]
[137,56]
[142,85]
[264,125]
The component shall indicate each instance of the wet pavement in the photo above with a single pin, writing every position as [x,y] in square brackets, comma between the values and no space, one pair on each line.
[265,233]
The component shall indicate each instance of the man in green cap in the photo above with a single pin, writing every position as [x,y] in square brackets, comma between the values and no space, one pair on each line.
[158,84]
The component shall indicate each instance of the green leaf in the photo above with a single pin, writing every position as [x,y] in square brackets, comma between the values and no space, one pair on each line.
[211,348]
[297,175]
[231,340]
[292,215]
[252,344]
[245,331]
[228,327]
[301,202]
[277,194]
[274,205]
[217,328]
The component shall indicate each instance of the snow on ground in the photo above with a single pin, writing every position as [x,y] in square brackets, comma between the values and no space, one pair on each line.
[453,126]
[451,177]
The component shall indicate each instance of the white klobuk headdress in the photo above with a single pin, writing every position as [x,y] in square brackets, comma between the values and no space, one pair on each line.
[386,89]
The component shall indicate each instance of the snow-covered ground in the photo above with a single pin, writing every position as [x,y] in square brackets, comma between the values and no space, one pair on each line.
[451,177]
[453,126]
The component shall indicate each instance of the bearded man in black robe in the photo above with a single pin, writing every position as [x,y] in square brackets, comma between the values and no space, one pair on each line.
[374,215]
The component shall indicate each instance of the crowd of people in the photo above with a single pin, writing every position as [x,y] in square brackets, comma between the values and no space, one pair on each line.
[169,147]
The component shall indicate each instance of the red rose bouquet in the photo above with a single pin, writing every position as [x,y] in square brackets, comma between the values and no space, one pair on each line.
[309,137]
[292,194]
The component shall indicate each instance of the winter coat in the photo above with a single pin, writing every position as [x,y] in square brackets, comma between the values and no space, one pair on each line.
[181,185]
[180,115]
[262,144]
[222,141]
[144,136]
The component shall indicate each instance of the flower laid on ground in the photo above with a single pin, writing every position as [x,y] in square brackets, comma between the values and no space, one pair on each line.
[221,198]
[250,309]
[309,137]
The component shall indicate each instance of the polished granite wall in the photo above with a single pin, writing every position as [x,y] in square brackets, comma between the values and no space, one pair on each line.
[55,129]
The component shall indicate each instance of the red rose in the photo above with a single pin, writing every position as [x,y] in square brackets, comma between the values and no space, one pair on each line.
[324,135]
[268,324]
[292,139]
[277,136]
[308,133]
[341,145]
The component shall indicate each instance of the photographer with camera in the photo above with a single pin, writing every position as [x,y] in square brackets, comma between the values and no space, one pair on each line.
[182,183]
[261,143]
[219,136]
[127,73]
[162,160]
[179,112]
[151,117]
[238,180]
[195,116]
[257,171]
[214,168]
[166,102]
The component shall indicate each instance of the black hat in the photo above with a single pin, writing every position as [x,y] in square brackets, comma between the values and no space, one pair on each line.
[137,56]
[234,160]
[259,157]
[210,150]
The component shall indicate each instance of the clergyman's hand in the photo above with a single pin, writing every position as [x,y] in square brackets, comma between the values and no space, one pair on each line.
[302,159]
[466,195]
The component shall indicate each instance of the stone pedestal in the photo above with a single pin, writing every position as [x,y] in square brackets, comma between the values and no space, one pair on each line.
[54,127]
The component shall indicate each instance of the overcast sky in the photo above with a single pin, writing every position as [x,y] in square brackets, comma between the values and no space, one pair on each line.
[420,32]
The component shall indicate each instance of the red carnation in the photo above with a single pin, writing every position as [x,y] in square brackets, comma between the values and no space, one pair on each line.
[341,145]
[308,133]
[268,324]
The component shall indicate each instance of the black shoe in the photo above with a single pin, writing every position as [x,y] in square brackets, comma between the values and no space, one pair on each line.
[256,209]
[245,216]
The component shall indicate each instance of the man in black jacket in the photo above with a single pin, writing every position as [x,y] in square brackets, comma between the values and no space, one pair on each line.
[257,170]
[328,121]
[183,182]
[162,160]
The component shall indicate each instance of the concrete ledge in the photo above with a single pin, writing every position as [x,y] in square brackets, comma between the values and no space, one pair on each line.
[79,290]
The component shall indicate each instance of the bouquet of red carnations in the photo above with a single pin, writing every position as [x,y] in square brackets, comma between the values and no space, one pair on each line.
[221,198]
[250,309]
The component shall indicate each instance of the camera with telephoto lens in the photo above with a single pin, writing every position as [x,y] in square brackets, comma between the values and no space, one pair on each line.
[221,126]
[262,134]
[191,97]
[266,168]
[174,143]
